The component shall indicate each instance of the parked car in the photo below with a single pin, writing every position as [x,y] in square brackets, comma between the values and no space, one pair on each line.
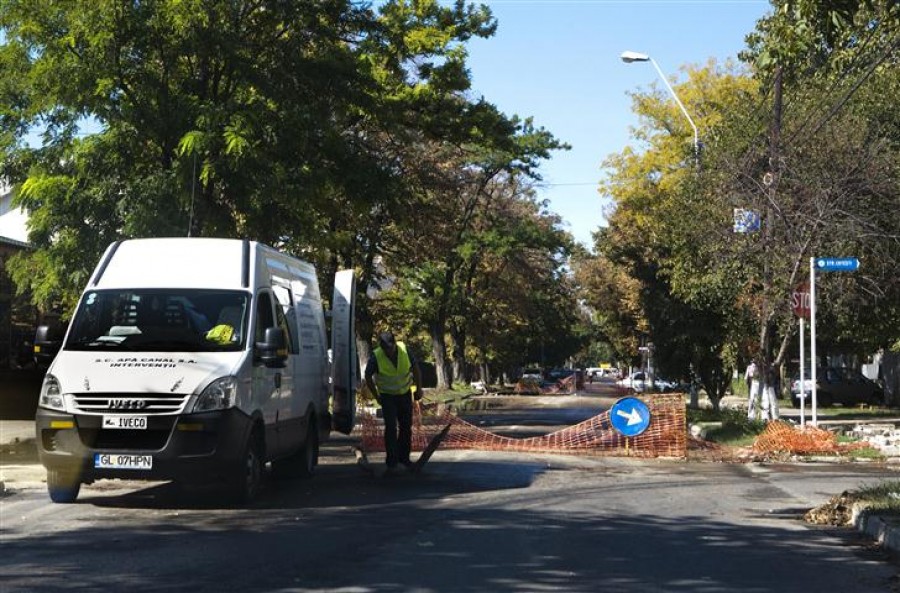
[559,374]
[534,375]
[639,383]
[602,373]
[836,385]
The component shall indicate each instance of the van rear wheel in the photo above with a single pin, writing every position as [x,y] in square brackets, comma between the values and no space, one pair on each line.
[63,486]
[308,455]
[302,463]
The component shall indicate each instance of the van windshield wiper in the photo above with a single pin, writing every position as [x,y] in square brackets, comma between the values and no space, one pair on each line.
[111,342]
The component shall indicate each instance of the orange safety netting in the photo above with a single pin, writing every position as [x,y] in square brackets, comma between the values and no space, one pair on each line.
[665,436]
[783,437]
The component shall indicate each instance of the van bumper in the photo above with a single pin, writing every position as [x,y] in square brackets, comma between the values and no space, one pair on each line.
[188,447]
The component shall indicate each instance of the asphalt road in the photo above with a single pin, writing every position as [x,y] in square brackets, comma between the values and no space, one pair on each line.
[474,521]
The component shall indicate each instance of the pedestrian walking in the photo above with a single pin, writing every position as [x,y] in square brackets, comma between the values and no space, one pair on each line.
[391,373]
[751,376]
[770,396]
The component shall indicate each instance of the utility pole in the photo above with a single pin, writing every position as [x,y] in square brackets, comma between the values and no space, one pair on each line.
[770,181]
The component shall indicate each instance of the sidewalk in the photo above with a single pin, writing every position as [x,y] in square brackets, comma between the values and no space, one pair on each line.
[12,431]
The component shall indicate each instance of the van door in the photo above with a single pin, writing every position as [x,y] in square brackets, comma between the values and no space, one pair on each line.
[345,361]
[290,405]
[268,382]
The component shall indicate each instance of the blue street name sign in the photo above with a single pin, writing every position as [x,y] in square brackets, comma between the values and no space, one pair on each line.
[630,416]
[837,264]
[746,221]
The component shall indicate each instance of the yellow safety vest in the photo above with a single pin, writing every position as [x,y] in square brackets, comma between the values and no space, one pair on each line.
[393,380]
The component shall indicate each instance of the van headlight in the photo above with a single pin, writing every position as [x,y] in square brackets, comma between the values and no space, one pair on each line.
[218,395]
[51,394]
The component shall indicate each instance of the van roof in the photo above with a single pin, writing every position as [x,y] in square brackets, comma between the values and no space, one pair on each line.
[189,263]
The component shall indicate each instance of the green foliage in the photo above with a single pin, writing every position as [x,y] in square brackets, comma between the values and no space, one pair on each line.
[727,426]
[880,497]
[713,297]
[650,279]
[335,130]
[801,36]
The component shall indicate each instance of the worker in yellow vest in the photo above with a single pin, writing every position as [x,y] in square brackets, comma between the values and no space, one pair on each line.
[391,373]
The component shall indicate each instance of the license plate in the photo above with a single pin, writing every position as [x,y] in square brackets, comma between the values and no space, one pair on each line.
[125,422]
[122,461]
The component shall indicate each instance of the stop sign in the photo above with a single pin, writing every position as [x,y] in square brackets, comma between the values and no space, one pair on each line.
[800,300]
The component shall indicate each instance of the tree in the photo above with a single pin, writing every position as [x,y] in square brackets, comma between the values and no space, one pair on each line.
[218,118]
[441,258]
[838,61]
[648,281]
[672,231]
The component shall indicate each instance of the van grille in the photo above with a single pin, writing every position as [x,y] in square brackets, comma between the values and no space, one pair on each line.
[129,403]
[125,440]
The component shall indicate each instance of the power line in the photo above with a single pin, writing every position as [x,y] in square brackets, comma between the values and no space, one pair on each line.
[843,100]
[838,79]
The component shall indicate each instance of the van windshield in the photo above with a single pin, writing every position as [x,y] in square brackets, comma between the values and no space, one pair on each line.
[160,320]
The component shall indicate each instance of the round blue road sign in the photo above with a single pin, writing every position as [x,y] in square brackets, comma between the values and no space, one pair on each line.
[630,416]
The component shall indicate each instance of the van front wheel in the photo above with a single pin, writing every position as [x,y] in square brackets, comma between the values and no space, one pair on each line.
[247,478]
[62,486]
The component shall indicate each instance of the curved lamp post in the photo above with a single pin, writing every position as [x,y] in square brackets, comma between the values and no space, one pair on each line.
[633,56]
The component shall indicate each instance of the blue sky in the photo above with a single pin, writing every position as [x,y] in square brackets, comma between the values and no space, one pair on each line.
[558,61]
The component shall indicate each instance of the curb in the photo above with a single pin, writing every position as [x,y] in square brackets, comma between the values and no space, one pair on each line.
[885,534]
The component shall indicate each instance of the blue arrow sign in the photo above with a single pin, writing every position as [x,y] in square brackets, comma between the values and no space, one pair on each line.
[837,264]
[630,416]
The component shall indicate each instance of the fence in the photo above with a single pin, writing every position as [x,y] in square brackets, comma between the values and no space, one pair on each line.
[666,435]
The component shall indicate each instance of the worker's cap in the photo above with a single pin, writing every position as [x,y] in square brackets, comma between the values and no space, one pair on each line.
[386,340]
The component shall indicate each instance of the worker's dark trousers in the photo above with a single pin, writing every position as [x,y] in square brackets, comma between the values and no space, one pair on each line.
[397,412]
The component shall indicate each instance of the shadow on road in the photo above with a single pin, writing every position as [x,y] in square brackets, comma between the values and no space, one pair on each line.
[19,391]
[393,542]
[338,481]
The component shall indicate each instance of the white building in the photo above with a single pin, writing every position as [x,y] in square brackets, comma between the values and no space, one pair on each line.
[12,219]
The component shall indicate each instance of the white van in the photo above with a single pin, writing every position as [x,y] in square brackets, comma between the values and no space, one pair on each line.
[196,360]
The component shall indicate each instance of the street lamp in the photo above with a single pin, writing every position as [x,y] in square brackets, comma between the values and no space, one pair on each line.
[633,56]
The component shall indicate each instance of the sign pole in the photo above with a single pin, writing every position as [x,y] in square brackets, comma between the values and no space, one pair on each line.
[825,264]
[812,336]
[800,305]
[802,374]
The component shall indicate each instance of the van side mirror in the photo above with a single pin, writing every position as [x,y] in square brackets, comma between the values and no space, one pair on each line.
[47,342]
[272,351]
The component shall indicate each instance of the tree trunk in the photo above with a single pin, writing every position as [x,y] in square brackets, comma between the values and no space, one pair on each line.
[444,374]
[458,349]
[485,371]
[715,382]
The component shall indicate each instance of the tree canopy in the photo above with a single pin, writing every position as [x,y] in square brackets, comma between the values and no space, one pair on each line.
[805,137]
[339,131]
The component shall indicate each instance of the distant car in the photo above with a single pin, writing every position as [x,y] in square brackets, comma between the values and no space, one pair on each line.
[639,383]
[598,373]
[532,375]
[666,385]
[836,385]
[559,374]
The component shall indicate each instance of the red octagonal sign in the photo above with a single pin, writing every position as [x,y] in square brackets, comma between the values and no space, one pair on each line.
[800,301]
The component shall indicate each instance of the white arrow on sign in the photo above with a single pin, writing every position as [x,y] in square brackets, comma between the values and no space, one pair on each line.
[634,417]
